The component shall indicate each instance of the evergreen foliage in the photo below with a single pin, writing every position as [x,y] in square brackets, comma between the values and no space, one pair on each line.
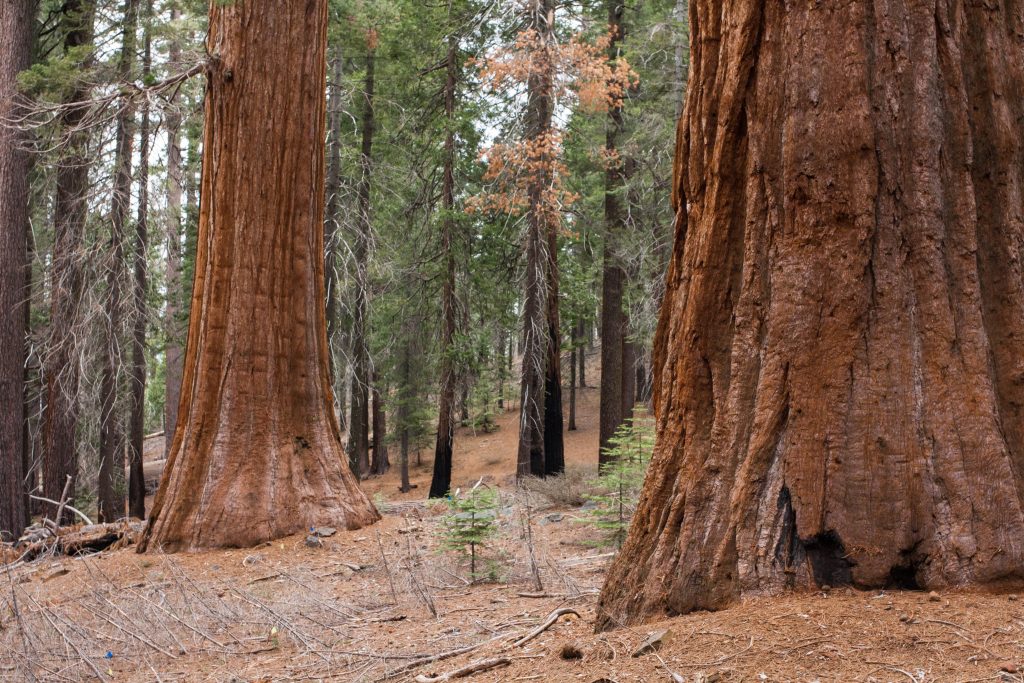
[469,526]
[621,478]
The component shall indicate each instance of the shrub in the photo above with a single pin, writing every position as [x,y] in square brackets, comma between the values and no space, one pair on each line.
[568,489]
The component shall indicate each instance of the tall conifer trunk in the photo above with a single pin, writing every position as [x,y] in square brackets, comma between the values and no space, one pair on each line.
[380,463]
[257,451]
[359,423]
[175,290]
[540,449]
[60,421]
[110,483]
[332,226]
[137,424]
[17,22]
[613,320]
[839,392]
[442,477]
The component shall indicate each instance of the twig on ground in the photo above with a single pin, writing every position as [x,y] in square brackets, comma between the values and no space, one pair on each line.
[552,618]
[468,670]
[387,569]
[415,664]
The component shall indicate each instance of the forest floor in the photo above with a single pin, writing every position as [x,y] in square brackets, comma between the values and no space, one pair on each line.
[384,603]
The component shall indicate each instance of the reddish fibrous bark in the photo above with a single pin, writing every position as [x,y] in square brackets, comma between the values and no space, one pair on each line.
[257,452]
[839,366]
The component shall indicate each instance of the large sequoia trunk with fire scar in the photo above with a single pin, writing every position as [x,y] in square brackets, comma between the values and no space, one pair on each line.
[840,359]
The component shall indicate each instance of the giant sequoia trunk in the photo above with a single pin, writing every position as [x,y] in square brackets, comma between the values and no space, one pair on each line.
[16,29]
[840,359]
[257,451]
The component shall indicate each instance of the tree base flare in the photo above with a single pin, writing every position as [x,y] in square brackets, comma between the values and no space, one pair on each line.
[839,366]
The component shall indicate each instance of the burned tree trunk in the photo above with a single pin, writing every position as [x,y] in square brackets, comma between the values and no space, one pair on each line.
[554,443]
[441,480]
[17,21]
[257,451]
[839,371]
[540,449]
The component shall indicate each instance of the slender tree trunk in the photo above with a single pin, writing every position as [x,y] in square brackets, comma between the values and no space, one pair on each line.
[381,463]
[60,456]
[838,362]
[541,400]
[110,482]
[137,478]
[359,423]
[554,444]
[17,28]
[613,321]
[501,370]
[530,456]
[572,388]
[441,481]
[175,288]
[332,219]
[405,372]
[257,452]
[581,332]
[628,379]
[32,391]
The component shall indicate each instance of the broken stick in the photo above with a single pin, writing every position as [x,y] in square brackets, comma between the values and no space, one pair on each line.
[468,670]
[552,618]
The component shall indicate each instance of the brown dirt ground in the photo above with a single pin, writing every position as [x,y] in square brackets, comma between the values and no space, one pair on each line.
[493,456]
[288,612]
